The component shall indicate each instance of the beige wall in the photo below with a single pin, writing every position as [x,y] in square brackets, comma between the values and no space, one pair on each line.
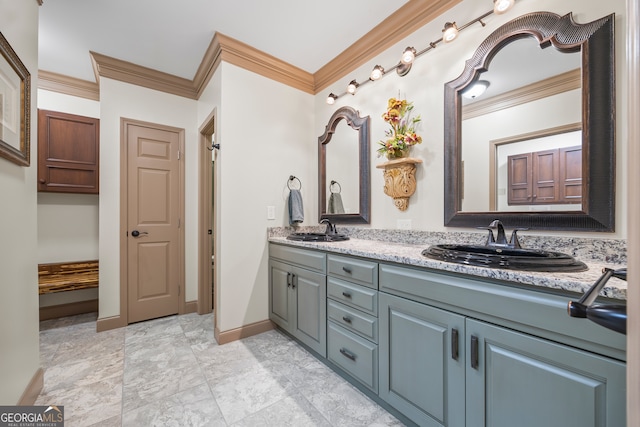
[424,85]
[269,131]
[19,353]
[265,130]
[118,100]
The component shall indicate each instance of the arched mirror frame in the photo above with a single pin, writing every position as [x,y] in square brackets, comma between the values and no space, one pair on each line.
[361,125]
[596,41]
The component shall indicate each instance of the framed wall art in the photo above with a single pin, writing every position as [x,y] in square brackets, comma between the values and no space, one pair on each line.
[15,106]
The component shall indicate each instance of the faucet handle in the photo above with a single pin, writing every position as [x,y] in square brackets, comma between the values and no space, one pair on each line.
[490,237]
[513,241]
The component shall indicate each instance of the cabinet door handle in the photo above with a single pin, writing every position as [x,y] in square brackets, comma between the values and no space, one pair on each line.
[346,294]
[288,280]
[294,280]
[346,270]
[348,354]
[474,352]
[455,346]
[346,319]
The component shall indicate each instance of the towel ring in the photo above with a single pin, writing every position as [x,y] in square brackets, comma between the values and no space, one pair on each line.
[339,187]
[291,178]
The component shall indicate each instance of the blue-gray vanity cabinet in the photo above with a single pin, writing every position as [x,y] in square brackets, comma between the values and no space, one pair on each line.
[352,307]
[422,361]
[298,294]
[517,379]
[515,370]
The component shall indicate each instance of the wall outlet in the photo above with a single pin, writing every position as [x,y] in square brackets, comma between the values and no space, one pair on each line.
[404,224]
[271,212]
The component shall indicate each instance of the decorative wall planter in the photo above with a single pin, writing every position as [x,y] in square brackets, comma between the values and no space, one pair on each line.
[400,180]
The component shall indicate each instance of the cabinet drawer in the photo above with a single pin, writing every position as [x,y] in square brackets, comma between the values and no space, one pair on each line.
[355,270]
[353,320]
[357,356]
[353,295]
[305,258]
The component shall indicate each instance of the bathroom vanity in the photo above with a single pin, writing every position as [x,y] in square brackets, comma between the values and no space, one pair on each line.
[443,345]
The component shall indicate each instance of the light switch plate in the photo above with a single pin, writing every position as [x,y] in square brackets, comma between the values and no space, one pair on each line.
[271,212]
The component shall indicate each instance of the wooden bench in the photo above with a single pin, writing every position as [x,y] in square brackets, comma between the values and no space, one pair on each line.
[67,276]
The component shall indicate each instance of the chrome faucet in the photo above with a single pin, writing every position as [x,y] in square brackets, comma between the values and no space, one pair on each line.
[501,238]
[331,228]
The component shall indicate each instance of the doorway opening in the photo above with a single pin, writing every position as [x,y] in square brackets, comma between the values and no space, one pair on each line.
[207,289]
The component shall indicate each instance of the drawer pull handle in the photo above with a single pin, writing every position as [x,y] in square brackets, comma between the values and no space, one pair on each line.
[346,294]
[474,352]
[346,319]
[455,347]
[348,354]
[346,270]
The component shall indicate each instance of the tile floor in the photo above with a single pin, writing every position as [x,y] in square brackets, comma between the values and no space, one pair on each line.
[171,372]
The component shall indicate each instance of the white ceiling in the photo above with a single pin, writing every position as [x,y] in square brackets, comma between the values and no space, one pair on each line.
[172,36]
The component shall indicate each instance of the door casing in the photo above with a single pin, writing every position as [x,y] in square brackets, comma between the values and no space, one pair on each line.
[124,285]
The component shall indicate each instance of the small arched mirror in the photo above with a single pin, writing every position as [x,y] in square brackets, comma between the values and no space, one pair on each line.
[343,169]
[536,149]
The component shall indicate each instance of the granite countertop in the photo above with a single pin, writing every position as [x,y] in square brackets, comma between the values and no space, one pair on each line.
[408,251]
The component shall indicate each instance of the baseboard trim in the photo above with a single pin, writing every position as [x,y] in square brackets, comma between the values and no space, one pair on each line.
[69,309]
[190,307]
[33,390]
[109,323]
[243,332]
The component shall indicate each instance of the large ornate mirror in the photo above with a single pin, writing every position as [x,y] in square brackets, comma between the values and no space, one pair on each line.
[343,169]
[536,149]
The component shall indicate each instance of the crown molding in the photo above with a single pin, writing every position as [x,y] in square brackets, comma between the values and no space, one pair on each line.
[560,83]
[117,69]
[410,17]
[413,15]
[68,85]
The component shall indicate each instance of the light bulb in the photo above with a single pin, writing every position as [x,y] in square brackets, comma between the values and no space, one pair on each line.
[377,72]
[408,55]
[450,32]
[477,89]
[331,99]
[501,6]
[353,85]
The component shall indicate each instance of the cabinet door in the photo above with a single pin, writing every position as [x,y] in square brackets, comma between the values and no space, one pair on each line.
[309,291]
[516,379]
[279,294]
[68,153]
[422,362]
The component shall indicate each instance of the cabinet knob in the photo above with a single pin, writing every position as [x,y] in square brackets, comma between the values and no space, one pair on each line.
[346,294]
[346,270]
[42,181]
[346,319]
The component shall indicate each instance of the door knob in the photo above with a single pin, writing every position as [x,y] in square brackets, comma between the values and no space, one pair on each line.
[136,233]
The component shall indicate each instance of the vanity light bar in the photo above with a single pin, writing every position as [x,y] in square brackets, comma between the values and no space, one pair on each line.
[402,68]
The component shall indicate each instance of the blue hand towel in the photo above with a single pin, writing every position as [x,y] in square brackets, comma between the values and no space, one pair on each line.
[335,204]
[296,210]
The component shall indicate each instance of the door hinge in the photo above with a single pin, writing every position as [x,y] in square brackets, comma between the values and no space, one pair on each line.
[179,222]
[178,290]
[178,154]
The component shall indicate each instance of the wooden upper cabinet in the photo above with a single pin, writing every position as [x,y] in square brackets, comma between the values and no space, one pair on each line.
[545,177]
[68,153]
